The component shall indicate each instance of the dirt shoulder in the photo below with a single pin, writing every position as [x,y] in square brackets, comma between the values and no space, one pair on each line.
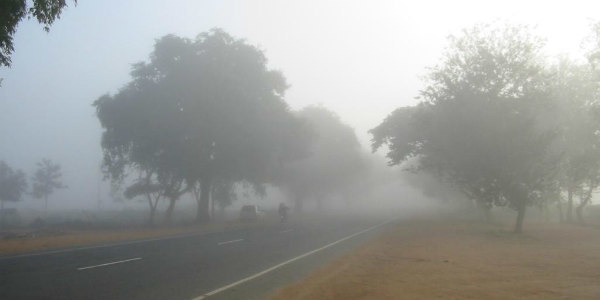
[26,241]
[461,260]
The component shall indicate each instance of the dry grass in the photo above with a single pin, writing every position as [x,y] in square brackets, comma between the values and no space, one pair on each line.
[459,260]
[91,237]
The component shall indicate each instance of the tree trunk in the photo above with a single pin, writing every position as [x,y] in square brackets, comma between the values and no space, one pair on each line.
[520,217]
[570,205]
[46,207]
[561,217]
[212,208]
[153,206]
[151,217]
[1,213]
[169,212]
[203,215]
[579,214]
[583,202]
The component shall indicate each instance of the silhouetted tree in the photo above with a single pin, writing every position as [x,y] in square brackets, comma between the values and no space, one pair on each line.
[46,179]
[12,187]
[200,111]
[478,125]
[14,11]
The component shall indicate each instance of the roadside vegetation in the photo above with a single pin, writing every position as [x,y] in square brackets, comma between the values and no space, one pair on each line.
[503,124]
[498,124]
[457,258]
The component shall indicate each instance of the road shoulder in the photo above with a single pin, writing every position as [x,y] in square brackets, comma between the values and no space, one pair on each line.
[460,260]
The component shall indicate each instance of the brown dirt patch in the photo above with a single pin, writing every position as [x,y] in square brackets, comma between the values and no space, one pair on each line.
[44,240]
[462,260]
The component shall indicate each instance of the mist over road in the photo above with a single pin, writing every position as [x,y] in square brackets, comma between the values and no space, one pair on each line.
[186,267]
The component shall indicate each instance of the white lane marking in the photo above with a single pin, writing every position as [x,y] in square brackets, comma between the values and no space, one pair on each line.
[229,242]
[288,262]
[284,231]
[108,264]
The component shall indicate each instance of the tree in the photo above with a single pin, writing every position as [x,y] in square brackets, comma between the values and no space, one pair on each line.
[479,123]
[335,161]
[575,91]
[223,195]
[46,180]
[12,187]
[149,186]
[14,11]
[200,111]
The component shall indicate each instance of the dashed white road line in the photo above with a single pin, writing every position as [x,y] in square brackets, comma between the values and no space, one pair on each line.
[288,262]
[108,264]
[229,242]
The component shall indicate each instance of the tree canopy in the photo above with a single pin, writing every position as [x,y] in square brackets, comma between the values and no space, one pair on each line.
[14,11]
[13,183]
[200,110]
[46,180]
[480,123]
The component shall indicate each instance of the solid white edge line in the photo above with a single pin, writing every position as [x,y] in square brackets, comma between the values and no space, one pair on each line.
[288,262]
[229,242]
[108,264]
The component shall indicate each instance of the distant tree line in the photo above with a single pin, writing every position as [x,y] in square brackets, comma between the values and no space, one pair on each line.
[13,184]
[503,124]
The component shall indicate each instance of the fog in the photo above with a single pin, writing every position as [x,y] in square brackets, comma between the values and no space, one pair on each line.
[359,60]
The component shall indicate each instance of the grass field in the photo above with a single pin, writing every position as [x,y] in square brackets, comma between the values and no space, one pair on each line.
[462,260]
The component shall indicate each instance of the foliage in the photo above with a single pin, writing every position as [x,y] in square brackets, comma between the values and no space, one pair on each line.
[335,161]
[46,180]
[14,11]
[479,123]
[199,111]
[223,193]
[576,92]
[13,183]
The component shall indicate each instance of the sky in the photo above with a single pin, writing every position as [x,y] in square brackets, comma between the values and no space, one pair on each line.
[361,59]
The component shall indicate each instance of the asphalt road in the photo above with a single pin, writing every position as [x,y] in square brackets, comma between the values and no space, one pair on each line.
[247,263]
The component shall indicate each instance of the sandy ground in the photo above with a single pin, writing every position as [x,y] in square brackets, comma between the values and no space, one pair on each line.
[462,260]
[66,238]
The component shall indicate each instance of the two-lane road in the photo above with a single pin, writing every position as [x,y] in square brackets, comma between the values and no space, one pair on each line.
[239,264]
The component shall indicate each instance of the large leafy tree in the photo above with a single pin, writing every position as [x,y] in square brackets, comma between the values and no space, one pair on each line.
[46,180]
[199,111]
[13,185]
[335,160]
[14,11]
[479,125]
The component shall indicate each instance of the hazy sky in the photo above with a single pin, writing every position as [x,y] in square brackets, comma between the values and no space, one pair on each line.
[361,59]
